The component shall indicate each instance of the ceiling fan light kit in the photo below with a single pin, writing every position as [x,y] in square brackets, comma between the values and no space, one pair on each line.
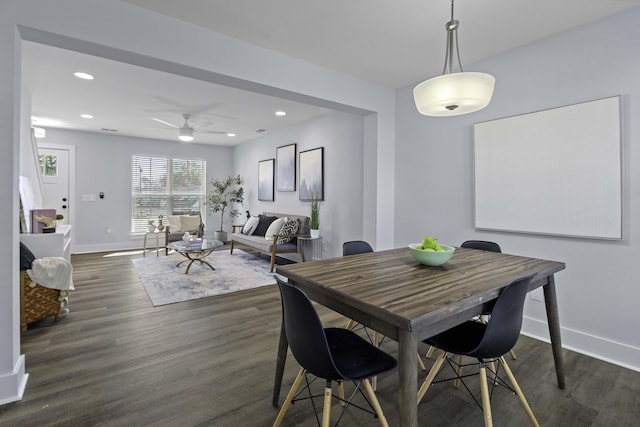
[186,134]
[186,131]
[453,94]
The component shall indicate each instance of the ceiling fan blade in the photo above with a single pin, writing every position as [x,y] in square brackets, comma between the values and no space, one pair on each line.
[165,122]
[217,132]
[203,124]
[222,116]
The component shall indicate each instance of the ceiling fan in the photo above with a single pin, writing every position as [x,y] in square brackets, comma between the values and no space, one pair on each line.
[185,132]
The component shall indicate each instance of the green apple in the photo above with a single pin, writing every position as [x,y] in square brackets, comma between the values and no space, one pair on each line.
[429,242]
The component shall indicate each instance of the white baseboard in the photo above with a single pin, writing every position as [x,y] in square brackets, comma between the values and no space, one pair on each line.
[12,385]
[108,247]
[590,345]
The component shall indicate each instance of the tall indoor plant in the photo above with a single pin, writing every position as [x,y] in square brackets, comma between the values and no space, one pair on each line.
[315,216]
[224,194]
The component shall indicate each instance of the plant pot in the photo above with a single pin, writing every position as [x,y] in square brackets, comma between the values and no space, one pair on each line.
[220,235]
[315,233]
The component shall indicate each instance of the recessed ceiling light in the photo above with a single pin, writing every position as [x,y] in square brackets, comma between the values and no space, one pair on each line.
[83,76]
[281,113]
[231,134]
[86,116]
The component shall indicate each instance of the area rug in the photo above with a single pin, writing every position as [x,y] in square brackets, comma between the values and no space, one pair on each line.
[166,283]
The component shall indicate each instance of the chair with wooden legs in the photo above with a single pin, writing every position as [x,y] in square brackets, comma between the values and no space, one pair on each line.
[486,342]
[333,354]
[355,247]
[482,245]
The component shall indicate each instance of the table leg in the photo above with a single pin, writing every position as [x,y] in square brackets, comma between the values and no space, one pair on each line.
[144,246]
[551,304]
[207,263]
[283,345]
[189,265]
[408,373]
[157,244]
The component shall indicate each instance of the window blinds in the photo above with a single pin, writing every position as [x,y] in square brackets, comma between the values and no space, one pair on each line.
[165,186]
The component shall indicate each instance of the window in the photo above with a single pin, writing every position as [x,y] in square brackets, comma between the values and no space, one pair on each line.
[48,164]
[164,186]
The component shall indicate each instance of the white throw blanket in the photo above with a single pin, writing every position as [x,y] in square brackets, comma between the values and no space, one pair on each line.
[52,272]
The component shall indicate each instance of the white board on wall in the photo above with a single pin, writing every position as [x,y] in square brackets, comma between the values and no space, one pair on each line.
[554,172]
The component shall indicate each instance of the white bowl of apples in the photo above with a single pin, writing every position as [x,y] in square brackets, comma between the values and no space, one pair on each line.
[430,253]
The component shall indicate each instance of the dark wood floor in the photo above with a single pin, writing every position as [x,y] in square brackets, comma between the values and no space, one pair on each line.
[117,361]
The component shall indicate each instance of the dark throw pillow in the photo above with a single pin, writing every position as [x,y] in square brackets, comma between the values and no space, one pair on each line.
[263,224]
[26,257]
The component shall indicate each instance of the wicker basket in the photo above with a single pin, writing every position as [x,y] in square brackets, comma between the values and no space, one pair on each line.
[37,302]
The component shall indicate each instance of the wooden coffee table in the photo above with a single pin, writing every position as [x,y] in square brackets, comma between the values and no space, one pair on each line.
[193,254]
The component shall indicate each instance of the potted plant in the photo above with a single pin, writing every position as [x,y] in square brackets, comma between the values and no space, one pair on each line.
[315,216]
[223,194]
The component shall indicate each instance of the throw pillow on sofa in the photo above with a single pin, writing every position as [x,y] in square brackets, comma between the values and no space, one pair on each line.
[250,225]
[190,222]
[174,222]
[263,224]
[290,227]
[275,227]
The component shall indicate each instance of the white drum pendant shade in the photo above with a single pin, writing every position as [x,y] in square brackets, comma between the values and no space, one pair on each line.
[454,94]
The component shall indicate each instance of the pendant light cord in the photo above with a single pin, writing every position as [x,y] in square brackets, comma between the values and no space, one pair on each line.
[452,40]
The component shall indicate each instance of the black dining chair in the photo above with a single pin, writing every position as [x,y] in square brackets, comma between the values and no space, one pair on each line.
[355,247]
[333,354]
[486,342]
[482,245]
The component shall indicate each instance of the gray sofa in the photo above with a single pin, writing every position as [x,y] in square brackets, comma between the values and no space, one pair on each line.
[269,247]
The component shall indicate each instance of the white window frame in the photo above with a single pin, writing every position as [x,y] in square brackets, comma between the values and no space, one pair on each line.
[165,194]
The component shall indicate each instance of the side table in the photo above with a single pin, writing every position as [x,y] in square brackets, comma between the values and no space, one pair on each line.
[144,245]
[310,248]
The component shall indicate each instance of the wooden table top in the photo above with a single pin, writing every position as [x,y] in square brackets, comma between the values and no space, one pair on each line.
[389,290]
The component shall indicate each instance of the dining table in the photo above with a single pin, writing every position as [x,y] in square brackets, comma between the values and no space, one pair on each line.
[390,292]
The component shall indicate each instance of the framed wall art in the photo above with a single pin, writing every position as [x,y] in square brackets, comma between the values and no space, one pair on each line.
[286,168]
[312,174]
[265,180]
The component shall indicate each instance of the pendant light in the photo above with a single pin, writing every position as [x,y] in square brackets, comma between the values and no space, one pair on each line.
[453,94]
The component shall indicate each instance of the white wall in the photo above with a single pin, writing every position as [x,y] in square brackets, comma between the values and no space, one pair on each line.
[13,378]
[341,135]
[598,292]
[127,33]
[103,164]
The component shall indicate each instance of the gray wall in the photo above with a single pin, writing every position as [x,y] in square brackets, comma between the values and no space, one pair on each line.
[341,135]
[103,164]
[598,292]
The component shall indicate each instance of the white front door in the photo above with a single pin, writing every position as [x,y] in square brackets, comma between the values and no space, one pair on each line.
[54,167]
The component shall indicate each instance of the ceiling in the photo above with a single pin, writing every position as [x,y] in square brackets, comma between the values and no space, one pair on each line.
[392,43]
